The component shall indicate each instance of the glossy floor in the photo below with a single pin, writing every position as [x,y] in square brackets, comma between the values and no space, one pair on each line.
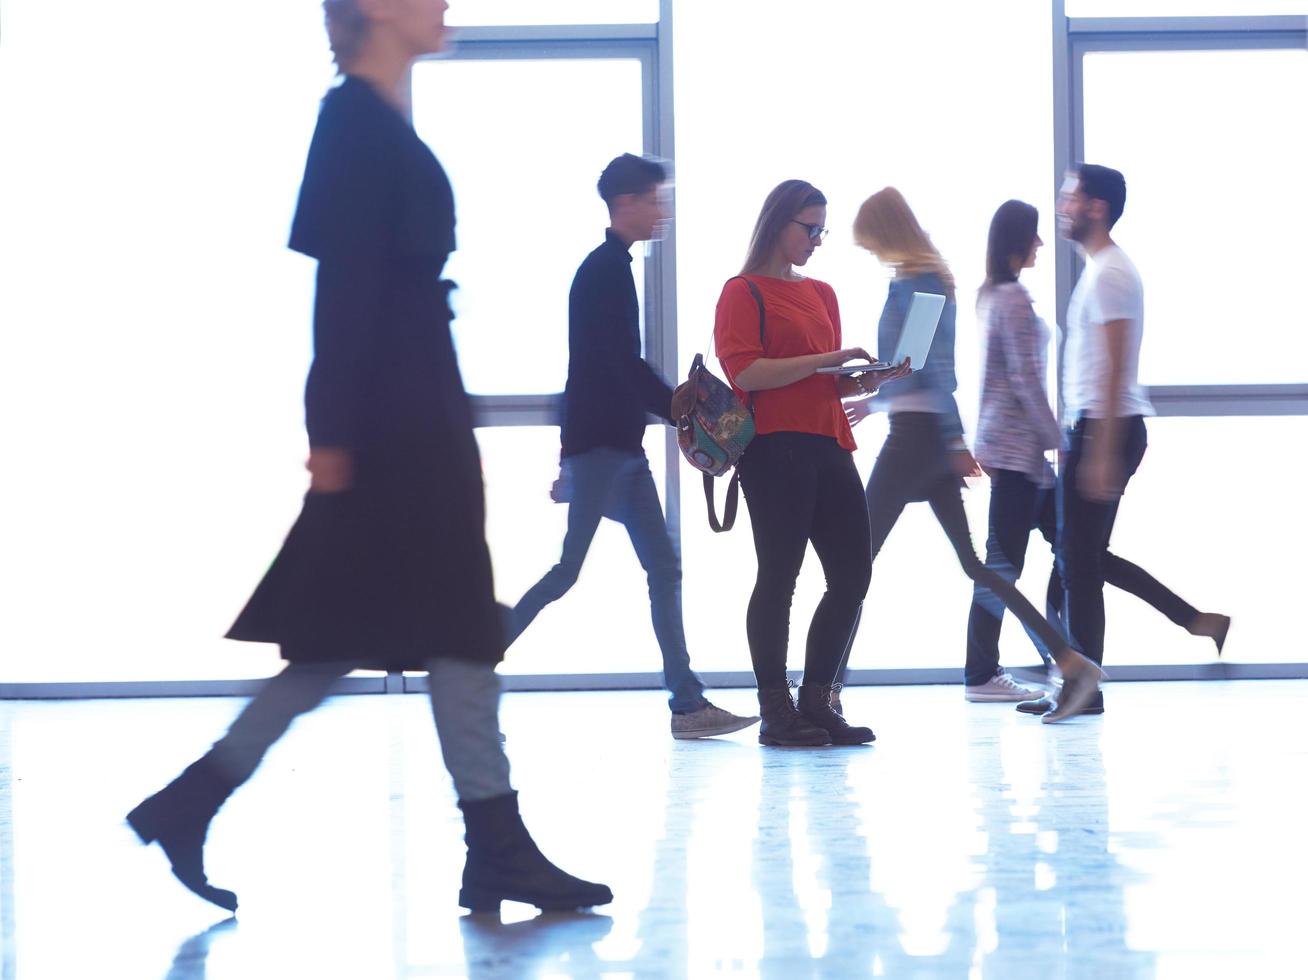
[1164,839]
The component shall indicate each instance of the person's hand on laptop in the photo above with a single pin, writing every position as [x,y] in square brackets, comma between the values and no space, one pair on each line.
[863,386]
[875,379]
[870,381]
[839,357]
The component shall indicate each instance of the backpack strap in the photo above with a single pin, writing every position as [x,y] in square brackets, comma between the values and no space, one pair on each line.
[762,317]
[732,502]
[730,507]
[758,300]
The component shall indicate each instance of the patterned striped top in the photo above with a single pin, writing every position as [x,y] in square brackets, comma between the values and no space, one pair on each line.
[1016,426]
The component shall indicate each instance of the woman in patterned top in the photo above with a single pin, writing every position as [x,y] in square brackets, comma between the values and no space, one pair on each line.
[1015,430]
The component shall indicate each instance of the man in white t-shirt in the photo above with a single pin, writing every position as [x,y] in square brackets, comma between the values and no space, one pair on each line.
[1104,404]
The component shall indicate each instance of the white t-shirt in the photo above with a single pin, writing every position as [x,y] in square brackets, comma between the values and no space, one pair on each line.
[1109,289]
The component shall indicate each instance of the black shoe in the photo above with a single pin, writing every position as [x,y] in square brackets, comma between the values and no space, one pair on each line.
[504,864]
[1037,707]
[815,706]
[177,818]
[1080,696]
[783,724]
[1042,706]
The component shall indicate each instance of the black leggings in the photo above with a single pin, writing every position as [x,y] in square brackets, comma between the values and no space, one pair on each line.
[802,487]
[914,465]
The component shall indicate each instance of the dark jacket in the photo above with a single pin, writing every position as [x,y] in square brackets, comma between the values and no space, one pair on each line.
[610,387]
[394,570]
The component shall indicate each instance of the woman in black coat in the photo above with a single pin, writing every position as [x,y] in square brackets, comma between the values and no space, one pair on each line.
[387,565]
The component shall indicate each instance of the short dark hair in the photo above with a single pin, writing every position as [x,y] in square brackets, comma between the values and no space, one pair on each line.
[630,174]
[1012,233]
[1104,184]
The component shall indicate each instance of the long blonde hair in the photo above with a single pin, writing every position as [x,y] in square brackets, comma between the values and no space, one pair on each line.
[886,227]
[347,29]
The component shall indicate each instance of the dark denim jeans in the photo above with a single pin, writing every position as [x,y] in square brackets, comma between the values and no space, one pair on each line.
[1018,505]
[618,485]
[1084,529]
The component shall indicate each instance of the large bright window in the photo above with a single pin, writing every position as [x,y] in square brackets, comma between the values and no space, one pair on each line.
[1211,218]
[527,207]
[154,329]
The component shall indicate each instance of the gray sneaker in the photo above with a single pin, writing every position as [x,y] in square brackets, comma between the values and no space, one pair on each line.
[1001,687]
[709,721]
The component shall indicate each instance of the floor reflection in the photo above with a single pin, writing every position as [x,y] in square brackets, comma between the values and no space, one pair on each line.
[1052,888]
[192,958]
[968,842]
[828,919]
[663,925]
[551,944]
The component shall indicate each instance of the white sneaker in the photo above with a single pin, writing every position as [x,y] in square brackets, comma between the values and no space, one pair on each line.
[1001,687]
[709,721]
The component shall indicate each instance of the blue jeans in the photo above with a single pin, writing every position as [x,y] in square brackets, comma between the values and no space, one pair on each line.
[618,485]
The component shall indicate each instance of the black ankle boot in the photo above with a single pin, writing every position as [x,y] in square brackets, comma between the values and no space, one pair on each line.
[504,864]
[782,724]
[178,817]
[815,707]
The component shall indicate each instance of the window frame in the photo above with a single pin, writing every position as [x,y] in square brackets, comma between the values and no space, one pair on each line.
[1077,36]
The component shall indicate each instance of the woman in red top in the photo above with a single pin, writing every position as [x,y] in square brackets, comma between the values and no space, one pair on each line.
[798,475]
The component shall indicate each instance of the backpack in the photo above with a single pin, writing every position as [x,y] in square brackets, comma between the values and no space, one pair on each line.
[714,426]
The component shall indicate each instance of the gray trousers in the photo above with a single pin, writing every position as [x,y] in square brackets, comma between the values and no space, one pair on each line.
[465,699]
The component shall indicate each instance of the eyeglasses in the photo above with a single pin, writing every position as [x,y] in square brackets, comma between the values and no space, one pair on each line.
[816,233]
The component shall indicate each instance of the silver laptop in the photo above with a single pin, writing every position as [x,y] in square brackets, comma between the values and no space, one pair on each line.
[914,340]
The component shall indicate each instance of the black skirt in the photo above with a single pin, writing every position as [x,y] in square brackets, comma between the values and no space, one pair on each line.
[388,574]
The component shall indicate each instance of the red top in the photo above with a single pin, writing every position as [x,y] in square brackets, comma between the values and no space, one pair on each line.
[802,318]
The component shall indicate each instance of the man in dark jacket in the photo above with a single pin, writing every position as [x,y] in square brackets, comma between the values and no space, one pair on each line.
[610,391]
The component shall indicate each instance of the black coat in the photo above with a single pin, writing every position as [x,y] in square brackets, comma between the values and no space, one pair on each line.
[395,570]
